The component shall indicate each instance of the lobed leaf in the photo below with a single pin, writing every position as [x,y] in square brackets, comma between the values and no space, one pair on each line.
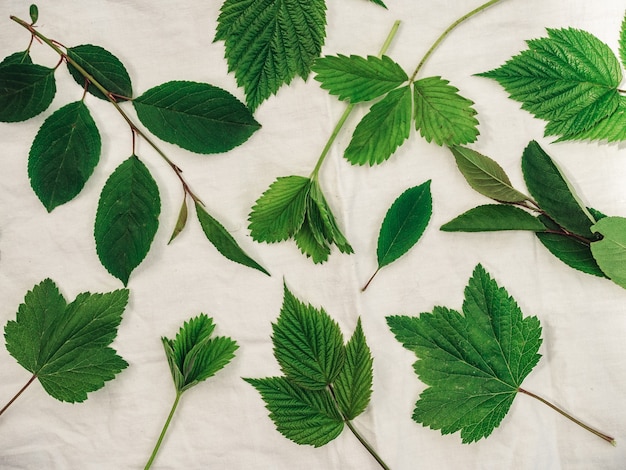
[610,251]
[311,238]
[331,230]
[198,117]
[26,89]
[493,217]
[63,155]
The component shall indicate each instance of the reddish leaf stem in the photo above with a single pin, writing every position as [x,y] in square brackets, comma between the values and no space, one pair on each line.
[370,280]
[30,381]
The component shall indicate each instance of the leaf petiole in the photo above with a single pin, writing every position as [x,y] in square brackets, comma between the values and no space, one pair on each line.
[30,381]
[164,430]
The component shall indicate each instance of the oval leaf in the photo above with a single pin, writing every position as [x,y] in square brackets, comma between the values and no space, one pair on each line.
[198,117]
[22,57]
[610,251]
[127,218]
[63,155]
[492,217]
[181,222]
[104,67]
[25,90]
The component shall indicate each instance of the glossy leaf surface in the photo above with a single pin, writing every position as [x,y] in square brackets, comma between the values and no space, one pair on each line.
[26,90]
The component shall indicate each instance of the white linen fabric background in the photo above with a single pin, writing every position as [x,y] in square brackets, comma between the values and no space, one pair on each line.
[222,423]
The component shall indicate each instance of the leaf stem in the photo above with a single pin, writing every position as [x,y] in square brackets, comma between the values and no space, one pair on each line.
[370,280]
[163,431]
[30,381]
[607,438]
[448,31]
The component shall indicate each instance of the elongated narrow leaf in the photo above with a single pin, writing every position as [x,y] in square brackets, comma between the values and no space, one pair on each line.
[493,217]
[198,117]
[552,192]
[308,344]
[127,218]
[104,67]
[485,176]
[311,238]
[26,90]
[22,57]
[307,417]
[63,155]
[610,251]
[379,2]
[279,213]
[67,345]
[224,241]
[382,130]
[269,42]
[331,229]
[357,78]
[181,221]
[34,13]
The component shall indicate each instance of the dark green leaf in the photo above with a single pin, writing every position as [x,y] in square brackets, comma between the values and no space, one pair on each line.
[22,57]
[382,130]
[492,217]
[224,241]
[198,117]
[610,251]
[63,155]
[104,67]
[181,222]
[127,218]
[34,13]
[25,90]
[67,345]
[379,2]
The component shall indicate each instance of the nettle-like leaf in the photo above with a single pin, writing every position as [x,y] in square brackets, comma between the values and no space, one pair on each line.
[66,346]
[26,89]
[494,217]
[127,218]
[269,42]
[63,155]
[610,251]
[104,67]
[198,117]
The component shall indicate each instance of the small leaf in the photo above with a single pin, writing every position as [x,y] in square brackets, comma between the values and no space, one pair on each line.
[308,240]
[485,176]
[331,229]
[622,42]
[67,345]
[224,241]
[379,2]
[127,218]
[382,130]
[63,155]
[34,13]
[181,222]
[442,114]
[357,78]
[610,251]
[492,217]
[308,344]
[198,117]
[104,67]
[22,57]
[26,90]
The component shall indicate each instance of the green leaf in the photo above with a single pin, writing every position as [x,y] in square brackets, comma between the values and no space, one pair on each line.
[307,417]
[34,13]
[610,251]
[569,79]
[26,90]
[104,67]
[63,155]
[308,238]
[357,78]
[193,356]
[22,57]
[379,2]
[331,229]
[572,252]
[485,176]
[622,42]
[493,217]
[552,191]
[442,114]
[198,117]
[382,130]
[224,241]
[127,218]
[610,129]
[279,213]
[269,42]
[473,363]
[181,222]
[308,344]
[67,345]
[353,387]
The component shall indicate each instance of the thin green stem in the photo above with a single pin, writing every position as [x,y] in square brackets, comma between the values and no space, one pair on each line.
[163,431]
[606,437]
[448,31]
[30,381]
[348,110]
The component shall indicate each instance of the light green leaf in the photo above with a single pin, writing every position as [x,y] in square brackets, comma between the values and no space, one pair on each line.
[127,218]
[610,129]
[198,117]
[269,42]
[610,251]
[622,42]
[67,345]
[307,417]
[493,217]
[26,90]
[331,230]
[382,130]
[357,78]
[485,176]
[308,344]
[181,222]
[22,57]
[473,363]
[63,155]
[224,241]
[104,67]
[308,237]
[442,114]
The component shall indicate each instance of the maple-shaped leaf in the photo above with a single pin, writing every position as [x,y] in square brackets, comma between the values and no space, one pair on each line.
[270,42]
[473,362]
[66,346]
